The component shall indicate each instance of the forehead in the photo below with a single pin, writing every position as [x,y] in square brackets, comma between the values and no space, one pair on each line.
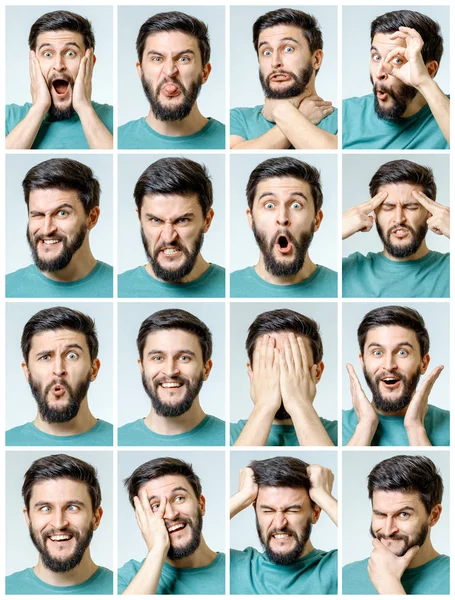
[50,197]
[56,39]
[275,35]
[171,205]
[280,497]
[391,335]
[60,491]
[383,44]
[169,341]
[400,193]
[47,340]
[171,41]
[165,486]
[391,501]
[283,186]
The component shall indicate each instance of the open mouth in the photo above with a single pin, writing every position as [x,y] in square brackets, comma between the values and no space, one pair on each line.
[283,244]
[175,528]
[381,95]
[279,77]
[400,232]
[171,251]
[171,384]
[60,86]
[391,383]
[170,90]
[58,390]
[60,538]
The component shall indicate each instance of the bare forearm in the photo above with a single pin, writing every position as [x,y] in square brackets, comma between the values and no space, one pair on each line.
[417,436]
[274,138]
[257,428]
[147,578]
[308,427]
[25,132]
[327,502]
[439,105]
[96,133]
[301,132]
[363,434]
[237,503]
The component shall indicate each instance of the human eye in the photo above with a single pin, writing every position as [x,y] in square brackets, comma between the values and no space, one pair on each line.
[47,54]
[155,506]
[183,220]
[377,352]
[156,58]
[180,498]
[185,358]
[45,509]
[403,514]
[397,60]
[45,357]
[157,358]
[73,507]
[296,205]
[154,220]
[184,58]
[387,207]
[375,57]
[62,213]
[267,53]
[402,352]
[70,53]
[288,49]
[269,205]
[72,355]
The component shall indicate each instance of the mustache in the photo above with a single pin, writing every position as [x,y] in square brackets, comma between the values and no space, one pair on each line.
[281,72]
[60,77]
[177,379]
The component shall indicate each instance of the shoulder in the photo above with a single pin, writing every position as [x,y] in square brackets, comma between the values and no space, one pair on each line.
[326,273]
[18,436]
[247,555]
[14,113]
[104,269]
[241,274]
[357,102]
[129,570]
[15,582]
[353,568]
[245,111]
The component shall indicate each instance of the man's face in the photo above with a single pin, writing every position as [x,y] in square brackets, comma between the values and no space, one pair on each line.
[286,65]
[172,230]
[400,520]
[391,96]
[401,220]
[57,227]
[61,522]
[59,54]
[283,221]
[59,372]
[173,370]
[284,518]
[183,514]
[392,366]
[172,74]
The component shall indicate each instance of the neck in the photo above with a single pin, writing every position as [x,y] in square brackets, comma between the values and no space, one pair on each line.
[307,549]
[306,271]
[201,558]
[81,265]
[424,555]
[197,271]
[84,570]
[193,123]
[176,425]
[414,106]
[421,252]
[82,422]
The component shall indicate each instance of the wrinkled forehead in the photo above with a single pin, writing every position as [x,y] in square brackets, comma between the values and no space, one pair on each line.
[171,42]
[166,486]
[390,502]
[400,193]
[54,338]
[169,206]
[279,34]
[281,497]
[391,336]
[383,44]
[50,198]
[283,187]
[58,39]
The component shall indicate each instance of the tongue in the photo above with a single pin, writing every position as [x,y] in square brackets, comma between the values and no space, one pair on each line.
[61,87]
[170,90]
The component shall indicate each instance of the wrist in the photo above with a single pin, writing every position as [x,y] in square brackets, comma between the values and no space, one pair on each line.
[85,110]
[426,86]
[283,109]
[386,585]
[39,110]
[266,410]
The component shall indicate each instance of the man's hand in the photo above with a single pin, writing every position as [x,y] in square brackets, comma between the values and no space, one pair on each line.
[358,218]
[265,379]
[297,378]
[82,92]
[385,569]
[321,483]
[247,494]
[417,409]
[315,108]
[41,96]
[366,414]
[151,524]
[271,104]
[406,64]
[439,222]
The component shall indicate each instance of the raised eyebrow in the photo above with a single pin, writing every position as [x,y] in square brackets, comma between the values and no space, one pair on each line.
[374,49]
[286,39]
[59,207]
[49,45]
[378,345]
[66,348]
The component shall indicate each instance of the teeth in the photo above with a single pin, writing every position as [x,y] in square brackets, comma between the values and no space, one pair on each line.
[175,527]
[170,385]
[280,536]
[59,538]
[49,242]
[169,251]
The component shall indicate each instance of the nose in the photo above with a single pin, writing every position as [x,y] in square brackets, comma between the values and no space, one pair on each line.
[59,63]
[168,232]
[170,513]
[381,72]
[59,366]
[280,521]
[59,518]
[48,225]
[170,367]
[277,61]
[399,214]
[389,361]
[283,217]
[170,68]
[390,527]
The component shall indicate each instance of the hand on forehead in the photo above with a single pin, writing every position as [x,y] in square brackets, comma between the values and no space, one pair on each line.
[281,336]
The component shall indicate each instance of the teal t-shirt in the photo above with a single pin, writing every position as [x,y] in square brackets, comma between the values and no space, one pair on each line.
[139,135]
[249,123]
[253,573]
[391,431]
[26,582]
[29,435]
[137,283]
[431,578]
[363,129]
[246,283]
[29,282]
[284,435]
[375,276]
[55,135]
[209,432]
[202,580]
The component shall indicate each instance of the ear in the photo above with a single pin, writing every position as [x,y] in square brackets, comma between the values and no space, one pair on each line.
[361,361]
[318,219]
[319,371]
[139,69]
[93,216]
[435,515]
[26,371]
[207,368]
[432,68]
[206,72]
[208,220]
[202,504]
[249,217]
[141,368]
[27,518]
[250,370]
[138,213]
[316,59]
[97,518]
[94,60]
[424,363]
[95,369]
[316,514]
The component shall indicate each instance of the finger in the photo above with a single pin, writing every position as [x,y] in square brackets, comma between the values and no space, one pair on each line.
[429,382]
[303,356]
[145,503]
[400,52]
[288,354]
[430,205]
[81,73]
[269,353]
[433,224]
[139,511]
[162,507]
[410,31]
[375,201]
[368,222]
[356,386]
[259,353]
[284,367]
[296,352]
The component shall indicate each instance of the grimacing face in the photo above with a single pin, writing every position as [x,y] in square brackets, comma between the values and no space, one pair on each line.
[283,221]
[286,65]
[59,371]
[183,514]
[284,517]
[61,522]
[400,520]
[401,220]
[392,365]
[172,229]
[173,370]
[172,74]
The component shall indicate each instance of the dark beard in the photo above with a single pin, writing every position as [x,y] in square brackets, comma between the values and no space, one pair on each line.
[403,251]
[193,544]
[286,558]
[172,410]
[69,410]
[69,248]
[282,414]
[283,268]
[301,80]
[172,113]
[401,96]
[60,114]
[174,275]
[63,566]
[417,540]
[391,406]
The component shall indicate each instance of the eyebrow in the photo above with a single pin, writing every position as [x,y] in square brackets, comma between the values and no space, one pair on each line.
[67,347]
[59,207]
[48,44]
[396,345]
[286,508]
[408,508]
[157,351]
[300,194]
[68,502]
[157,53]
[286,39]
[176,489]
[185,215]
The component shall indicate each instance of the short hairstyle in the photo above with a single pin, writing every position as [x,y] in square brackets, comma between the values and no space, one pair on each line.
[61,466]
[175,176]
[433,44]
[408,474]
[176,318]
[55,318]
[403,316]
[404,171]
[289,16]
[284,319]
[281,471]
[64,174]
[160,467]
[285,166]
[175,21]
[59,20]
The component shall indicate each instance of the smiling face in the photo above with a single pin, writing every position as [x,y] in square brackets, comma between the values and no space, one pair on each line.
[284,517]
[172,74]
[61,522]
[172,229]
[401,220]
[283,221]
[392,366]
[183,514]
[59,371]
[286,65]
[173,370]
